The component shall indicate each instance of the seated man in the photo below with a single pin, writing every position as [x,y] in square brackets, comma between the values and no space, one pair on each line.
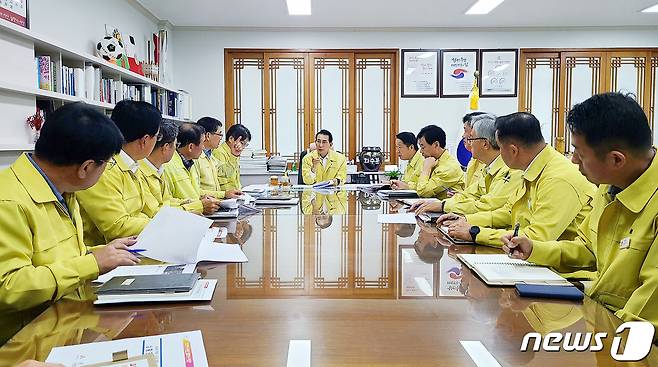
[182,172]
[612,147]
[43,256]
[152,169]
[494,188]
[228,157]
[441,171]
[324,164]
[552,201]
[475,168]
[113,208]
[407,147]
[207,163]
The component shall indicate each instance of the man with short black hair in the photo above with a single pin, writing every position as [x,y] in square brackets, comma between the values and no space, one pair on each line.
[324,164]
[441,171]
[407,147]
[207,163]
[618,239]
[113,207]
[43,256]
[494,188]
[550,204]
[152,169]
[182,172]
[237,139]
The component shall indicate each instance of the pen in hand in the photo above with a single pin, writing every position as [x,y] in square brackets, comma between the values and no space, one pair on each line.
[136,250]
[516,234]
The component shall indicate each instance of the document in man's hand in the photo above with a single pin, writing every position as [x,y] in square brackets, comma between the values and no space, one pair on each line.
[169,350]
[177,236]
[501,270]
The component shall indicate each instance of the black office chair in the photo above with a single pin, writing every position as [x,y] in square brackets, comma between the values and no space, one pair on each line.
[300,177]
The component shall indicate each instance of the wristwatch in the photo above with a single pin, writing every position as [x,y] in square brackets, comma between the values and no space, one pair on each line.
[474,231]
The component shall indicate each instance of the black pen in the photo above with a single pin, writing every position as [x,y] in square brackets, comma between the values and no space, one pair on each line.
[516,234]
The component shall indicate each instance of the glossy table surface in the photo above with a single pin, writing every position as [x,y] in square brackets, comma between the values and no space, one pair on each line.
[364,293]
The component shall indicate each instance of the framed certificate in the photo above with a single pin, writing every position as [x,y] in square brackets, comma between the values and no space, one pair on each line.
[458,72]
[15,11]
[420,73]
[499,77]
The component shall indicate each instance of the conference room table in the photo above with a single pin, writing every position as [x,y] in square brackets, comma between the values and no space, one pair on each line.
[363,294]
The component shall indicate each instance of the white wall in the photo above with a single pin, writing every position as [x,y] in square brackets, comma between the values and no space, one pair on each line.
[81,24]
[200,60]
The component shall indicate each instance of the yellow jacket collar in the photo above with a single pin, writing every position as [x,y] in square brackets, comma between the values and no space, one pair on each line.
[148,169]
[416,159]
[496,166]
[32,180]
[125,162]
[636,196]
[537,165]
[227,150]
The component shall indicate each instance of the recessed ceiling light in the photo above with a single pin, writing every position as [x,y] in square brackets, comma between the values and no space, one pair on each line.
[651,9]
[299,7]
[483,7]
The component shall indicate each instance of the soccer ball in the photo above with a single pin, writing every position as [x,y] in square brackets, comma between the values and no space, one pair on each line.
[110,49]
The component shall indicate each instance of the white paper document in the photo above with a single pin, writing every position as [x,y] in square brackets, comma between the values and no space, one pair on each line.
[399,218]
[256,188]
[202,291]
[176,236]
[170,350]
[173,235]
[147,270]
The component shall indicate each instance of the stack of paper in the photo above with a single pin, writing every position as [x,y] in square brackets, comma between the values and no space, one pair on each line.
[277,164]
[147,270]
[253,161]
[324,184]
[203,291]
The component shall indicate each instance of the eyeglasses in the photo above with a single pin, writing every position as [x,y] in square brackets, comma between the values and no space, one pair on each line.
[218,134]
[109,163]
[473,139]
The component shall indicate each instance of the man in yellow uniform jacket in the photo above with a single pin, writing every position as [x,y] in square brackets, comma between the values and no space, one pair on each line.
[494,188]
[324,164]
[113,208]
[228,157]
[552,201]
[208,171]
[182,172]
[152,169]
[407,147]
[441,171]
[43,256]
[474,168]
[619,238]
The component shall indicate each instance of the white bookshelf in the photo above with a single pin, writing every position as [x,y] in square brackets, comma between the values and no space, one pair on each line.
[18,82]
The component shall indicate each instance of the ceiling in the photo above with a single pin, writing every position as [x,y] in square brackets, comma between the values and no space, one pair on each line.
[403,14]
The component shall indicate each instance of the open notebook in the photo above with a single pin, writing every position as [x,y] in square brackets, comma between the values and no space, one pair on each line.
[501,270]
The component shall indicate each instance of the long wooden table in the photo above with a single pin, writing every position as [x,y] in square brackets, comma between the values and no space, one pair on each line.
[364,293]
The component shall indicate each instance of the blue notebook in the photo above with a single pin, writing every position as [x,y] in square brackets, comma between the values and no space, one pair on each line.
[568,292]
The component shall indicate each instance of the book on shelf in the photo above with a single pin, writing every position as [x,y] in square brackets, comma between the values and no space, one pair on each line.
[44,72]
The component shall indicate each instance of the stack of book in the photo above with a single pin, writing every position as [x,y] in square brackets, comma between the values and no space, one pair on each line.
[253,161]
[277,164]
[175,287]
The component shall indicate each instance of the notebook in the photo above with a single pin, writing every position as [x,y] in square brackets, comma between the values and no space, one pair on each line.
[324,184]
[501,270]
[148,284]
[549,291]
[224,213]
